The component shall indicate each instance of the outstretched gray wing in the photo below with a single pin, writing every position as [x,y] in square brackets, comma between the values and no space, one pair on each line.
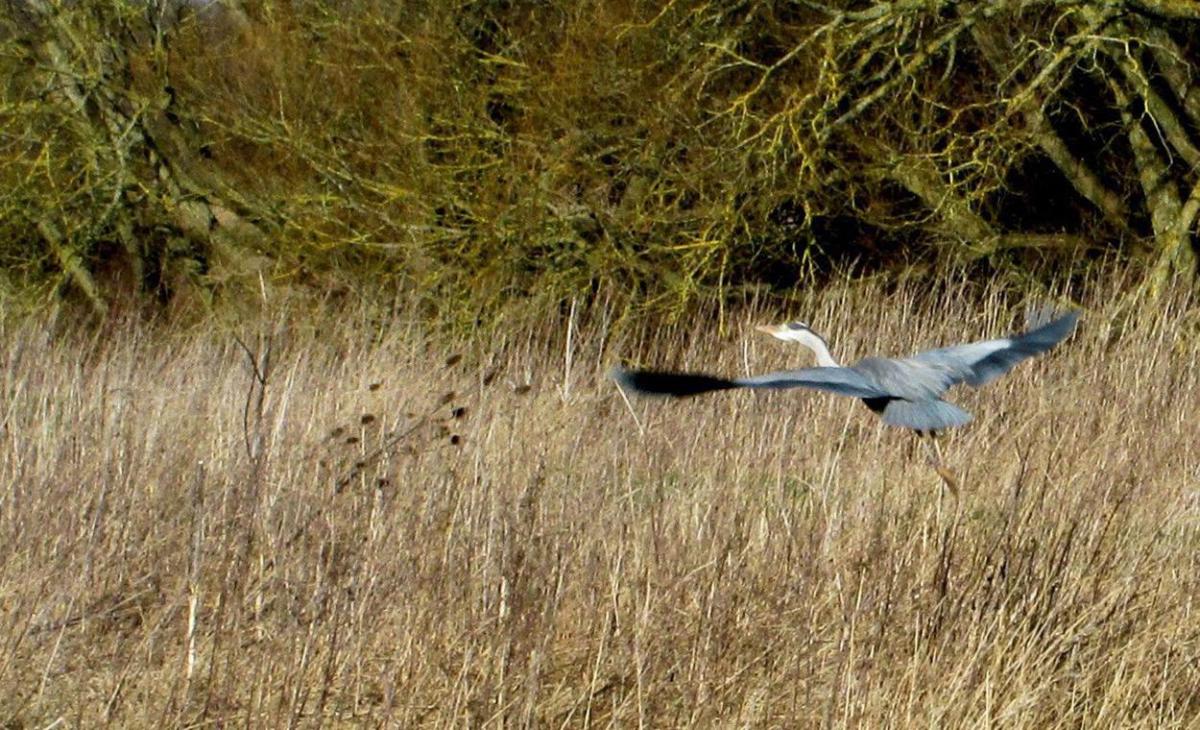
[979,363]
[843,381]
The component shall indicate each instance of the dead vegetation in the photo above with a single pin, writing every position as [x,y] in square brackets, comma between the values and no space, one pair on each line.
[364,530]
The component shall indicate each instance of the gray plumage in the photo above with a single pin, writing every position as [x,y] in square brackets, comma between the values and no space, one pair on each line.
[906,392]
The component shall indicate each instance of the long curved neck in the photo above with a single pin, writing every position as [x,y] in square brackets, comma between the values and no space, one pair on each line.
[820,349]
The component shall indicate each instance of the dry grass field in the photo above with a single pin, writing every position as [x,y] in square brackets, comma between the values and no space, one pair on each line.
[345,544]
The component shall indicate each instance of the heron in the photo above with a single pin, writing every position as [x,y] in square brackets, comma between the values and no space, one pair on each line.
[906,392]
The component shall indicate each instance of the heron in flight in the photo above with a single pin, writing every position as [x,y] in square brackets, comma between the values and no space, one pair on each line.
[906,392]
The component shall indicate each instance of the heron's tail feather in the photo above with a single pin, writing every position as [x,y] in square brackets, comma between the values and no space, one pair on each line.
[926,415]
[647,382]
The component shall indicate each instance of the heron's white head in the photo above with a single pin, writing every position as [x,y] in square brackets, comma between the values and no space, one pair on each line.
[790,332]
[802,333]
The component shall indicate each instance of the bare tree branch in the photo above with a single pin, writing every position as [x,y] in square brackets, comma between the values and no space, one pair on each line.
[1174,255]
[1031,101]
[1175,68]
[916,61]
[1162,113]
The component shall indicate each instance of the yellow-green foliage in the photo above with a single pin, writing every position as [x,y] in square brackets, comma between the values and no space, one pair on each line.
[486,151]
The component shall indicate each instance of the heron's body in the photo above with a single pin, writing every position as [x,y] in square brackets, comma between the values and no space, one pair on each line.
[906,392]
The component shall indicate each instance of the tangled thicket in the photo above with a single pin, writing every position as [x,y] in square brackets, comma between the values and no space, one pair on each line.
[478,152]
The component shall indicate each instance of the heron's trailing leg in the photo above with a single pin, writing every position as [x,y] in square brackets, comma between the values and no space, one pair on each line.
[935,460]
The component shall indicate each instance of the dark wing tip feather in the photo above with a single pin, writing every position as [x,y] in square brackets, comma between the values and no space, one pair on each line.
[1025,345]
[1049,335]
[650,382]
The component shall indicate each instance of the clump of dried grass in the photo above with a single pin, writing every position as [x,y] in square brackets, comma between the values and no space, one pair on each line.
[181,552]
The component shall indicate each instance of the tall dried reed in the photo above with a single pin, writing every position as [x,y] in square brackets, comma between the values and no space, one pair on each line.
[357,531]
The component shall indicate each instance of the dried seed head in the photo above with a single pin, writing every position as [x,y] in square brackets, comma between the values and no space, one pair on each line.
[383,482]
[366,418]
[490,376]
[352,440]
[522,389]
[453,360]
[374,387]
[455,440]
[337,432]
[458,412]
